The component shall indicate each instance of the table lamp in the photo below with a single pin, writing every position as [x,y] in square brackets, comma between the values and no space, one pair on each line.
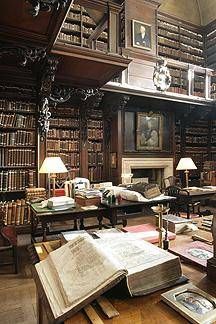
[51,166]
[186,164]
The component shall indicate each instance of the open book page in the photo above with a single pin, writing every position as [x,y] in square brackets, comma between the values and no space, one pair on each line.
[141,259]
[75,271]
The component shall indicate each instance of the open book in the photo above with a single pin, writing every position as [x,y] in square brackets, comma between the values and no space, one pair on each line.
[76,274]
[149,267]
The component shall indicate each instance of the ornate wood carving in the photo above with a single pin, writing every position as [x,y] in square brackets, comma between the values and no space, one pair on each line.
[45,5]
[47,79]
[62,94]
[23,53]
[43,120]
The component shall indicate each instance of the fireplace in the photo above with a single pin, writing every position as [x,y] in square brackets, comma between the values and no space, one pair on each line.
[151,170]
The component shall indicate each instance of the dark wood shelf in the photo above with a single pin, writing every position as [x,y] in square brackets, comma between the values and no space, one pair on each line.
[20,112]
[8,129]
[20,146]
[17,167]
[14,190]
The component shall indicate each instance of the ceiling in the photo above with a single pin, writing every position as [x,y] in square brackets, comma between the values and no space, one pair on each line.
[198,12]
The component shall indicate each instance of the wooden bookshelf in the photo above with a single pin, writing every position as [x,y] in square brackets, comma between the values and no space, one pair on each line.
[95,145]
[18,147]
[77,28]
[210,45]
[180,42]
[63,139]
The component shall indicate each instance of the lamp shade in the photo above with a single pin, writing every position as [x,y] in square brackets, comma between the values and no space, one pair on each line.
[186,164]
[53,164]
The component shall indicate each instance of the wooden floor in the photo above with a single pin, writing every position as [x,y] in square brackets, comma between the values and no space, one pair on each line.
[17,292]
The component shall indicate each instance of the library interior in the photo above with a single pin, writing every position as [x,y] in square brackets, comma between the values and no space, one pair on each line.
[107,161]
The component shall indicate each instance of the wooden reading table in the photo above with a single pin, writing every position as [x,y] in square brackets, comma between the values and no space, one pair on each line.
[196,194]
[46,215]
[137,310]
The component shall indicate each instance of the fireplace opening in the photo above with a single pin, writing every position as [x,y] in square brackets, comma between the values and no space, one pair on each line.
[154,175]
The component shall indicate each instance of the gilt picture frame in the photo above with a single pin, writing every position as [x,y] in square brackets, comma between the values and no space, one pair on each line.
[141,35]
[149,131]
[192,303]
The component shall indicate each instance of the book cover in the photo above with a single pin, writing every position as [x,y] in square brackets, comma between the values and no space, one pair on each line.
[194,252]
[147,232]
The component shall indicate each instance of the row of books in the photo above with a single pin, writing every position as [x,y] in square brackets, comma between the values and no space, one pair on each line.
[95,146]
[196,130]
[95,158]
[17,157]
[95,133]
[35,193]
[166,33]
[72,27]
[16,120]
[197,139]
[209,165]
[16,212]
[18,138]
[95,173]
[17,105]
[72,159]
[169,42]
[70,122]
[164,50]
[96,113]
[74,16]
[63,111]
[95,123]
[177,90]
[17,179]
[63,133]
[69,38]
[57,145]
[164,24]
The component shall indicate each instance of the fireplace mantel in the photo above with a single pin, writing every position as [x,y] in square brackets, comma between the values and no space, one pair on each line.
[147,163]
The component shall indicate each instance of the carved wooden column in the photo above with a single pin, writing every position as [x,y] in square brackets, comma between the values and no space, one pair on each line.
[211,263]
[114,106]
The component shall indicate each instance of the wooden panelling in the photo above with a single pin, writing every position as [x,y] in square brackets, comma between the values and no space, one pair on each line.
[142,11]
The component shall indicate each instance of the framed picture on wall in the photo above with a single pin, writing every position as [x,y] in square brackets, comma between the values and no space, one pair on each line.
[141,35]
[149,131]
[113,160]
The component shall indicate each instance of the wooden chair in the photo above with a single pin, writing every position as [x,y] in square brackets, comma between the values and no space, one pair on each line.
[8,243]
[170,181]
[181,201]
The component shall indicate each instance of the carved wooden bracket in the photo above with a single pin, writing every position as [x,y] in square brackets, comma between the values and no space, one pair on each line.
[93,102]
[46,5]
[23,53]
[43,120]
[62,94]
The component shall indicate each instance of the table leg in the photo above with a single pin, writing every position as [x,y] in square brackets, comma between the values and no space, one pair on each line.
[188,211]
[113,217]
[100,221]
[44,229]
[82,227]
[75,224]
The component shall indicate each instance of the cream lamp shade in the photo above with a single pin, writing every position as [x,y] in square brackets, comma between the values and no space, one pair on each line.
[53,164]
[186,164]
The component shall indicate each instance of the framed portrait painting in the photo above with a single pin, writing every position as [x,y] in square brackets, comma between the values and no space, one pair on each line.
[149,131]
[141,35]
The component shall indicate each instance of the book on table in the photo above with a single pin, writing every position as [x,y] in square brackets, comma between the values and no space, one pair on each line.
[74,275]
[84,268]
[149,268]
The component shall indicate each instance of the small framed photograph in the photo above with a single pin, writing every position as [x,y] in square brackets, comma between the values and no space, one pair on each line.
[113,160]
[149,131]
[193,303]
[141,35]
